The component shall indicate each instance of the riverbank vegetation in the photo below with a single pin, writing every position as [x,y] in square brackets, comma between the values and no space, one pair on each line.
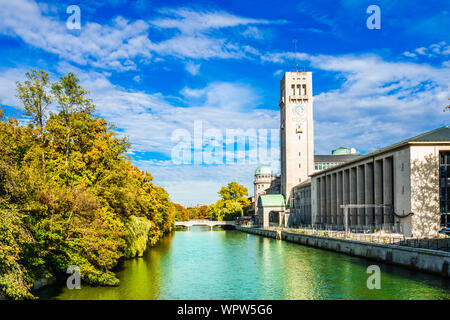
[68,193]
[233,198]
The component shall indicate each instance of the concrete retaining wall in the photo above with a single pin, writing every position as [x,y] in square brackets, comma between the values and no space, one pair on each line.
[432,261]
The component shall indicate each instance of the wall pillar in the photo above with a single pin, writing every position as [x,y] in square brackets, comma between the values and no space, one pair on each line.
[333,212]
[378,192]
[360,195]
[388,189]
[324,196]
[339,198]
[369,193]
[346,193]
[328,190]
[353,192]
[265,218]
[318,202]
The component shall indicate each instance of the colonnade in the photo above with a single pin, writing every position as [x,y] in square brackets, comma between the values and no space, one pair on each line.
[362,183]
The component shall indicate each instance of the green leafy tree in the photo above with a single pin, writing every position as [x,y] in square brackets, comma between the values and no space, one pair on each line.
[235,191]
[88,206]
[233,198]
[35,97]
[73,103]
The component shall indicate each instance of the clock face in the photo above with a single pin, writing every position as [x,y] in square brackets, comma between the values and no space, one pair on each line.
[299,110]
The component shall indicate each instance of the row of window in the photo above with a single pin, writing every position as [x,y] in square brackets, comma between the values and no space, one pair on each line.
[444,185]
[325,165]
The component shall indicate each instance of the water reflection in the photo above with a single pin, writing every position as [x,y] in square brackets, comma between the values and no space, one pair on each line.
[223,264]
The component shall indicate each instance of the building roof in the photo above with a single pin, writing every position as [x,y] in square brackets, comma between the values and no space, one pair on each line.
[263,169]
[335,157]
[305,183]
[271,200]
[438,135]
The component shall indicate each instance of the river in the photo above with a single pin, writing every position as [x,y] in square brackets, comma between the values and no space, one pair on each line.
[219,264]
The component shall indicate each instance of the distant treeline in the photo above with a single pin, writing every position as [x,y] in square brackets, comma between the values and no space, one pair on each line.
[232,203]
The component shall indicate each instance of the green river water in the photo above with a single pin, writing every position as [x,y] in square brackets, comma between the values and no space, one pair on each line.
[219,264]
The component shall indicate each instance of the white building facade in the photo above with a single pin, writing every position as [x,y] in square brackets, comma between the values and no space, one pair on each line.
[403,188]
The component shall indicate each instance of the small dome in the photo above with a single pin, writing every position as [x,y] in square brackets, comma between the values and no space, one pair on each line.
[341,150]
[263,169]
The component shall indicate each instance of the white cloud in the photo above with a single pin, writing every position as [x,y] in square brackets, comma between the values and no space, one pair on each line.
[189,21]
[117,44]
[107,46]
[191,185]
[435,50]
[192,68]
[8,80]
[379,102]
[254,33]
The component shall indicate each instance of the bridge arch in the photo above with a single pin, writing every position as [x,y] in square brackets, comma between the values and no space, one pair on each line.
[210,223]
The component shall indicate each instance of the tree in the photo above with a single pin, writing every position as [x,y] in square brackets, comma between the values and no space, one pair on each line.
[71,101]
[235,191]
[233,198]
[35,97]
[87,206]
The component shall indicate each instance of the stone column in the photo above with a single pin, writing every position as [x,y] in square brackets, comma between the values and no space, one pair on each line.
[324,198]
[346,192]
[388,189]
[353,192]
[333,199]
[265,218]
[360,195]
[378,192]
[318,202]
[328,217]
[339,198]
[369,193]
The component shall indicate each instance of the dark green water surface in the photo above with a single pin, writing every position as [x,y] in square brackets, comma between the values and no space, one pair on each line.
[203,264]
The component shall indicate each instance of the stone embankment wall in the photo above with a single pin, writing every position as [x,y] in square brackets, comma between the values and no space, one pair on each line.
[432,261]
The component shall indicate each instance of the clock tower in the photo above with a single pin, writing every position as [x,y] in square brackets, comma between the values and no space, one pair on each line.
[296,130]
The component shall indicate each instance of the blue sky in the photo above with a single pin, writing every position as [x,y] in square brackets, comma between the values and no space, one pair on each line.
[154,67]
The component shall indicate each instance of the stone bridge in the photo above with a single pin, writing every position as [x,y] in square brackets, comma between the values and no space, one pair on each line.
[208,223]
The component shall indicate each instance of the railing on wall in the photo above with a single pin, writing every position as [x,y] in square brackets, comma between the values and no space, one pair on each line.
[368,234]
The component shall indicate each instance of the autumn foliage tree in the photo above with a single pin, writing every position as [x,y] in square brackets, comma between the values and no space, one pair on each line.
[233,199]
[68,193]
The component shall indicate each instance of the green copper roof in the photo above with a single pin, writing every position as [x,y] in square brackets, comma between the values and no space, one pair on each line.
[341,150]
[271,200]
[263,169]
